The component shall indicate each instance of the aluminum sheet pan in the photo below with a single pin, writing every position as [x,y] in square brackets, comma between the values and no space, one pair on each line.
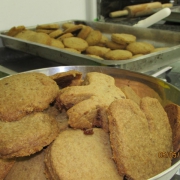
[175,15]
[159,38]
[166,91]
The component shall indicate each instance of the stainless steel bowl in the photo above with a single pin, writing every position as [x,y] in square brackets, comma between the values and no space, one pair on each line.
[166,91]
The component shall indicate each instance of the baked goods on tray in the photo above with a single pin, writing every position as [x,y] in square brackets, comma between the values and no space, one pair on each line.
[86,40]
[85,127]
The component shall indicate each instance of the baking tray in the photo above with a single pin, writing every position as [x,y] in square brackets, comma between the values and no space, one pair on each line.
[159,38]
[165,90]
[175,15]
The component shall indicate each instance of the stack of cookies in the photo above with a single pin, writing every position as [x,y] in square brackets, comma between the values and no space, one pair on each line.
[64,126]
[80,38]
[24,126]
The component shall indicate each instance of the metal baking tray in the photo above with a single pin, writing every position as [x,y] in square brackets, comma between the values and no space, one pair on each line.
[175,15]
[165,90]
[159,38]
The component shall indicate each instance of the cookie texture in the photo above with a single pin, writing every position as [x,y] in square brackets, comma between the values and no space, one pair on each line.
[75,43]
[94,37]
[118,55]
[140,48]
[5,167]
[24,93]
[122,38]
[86,154]
[28,135]
[149,128]
[87,103]
[97,50]
[29,167]
[173,112]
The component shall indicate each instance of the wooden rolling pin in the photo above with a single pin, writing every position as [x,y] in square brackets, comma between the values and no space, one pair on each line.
[139,10]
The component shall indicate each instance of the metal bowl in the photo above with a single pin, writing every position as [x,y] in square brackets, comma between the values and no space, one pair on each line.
[166,91]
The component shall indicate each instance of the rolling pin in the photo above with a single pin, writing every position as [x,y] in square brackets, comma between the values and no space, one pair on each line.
[140,9]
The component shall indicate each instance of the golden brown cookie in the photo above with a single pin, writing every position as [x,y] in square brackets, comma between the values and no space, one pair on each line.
[131,94]
[137,55]
[72,50]
[67,25]
[112,45]
[56,33]
[33,36]
[15,30]
[97,50]
[63,36]
[60,116]
[75,43]
[87,153]
[95,56]
[29,167]
[94,37]
[48,26]
[28,135]
[87,104]
[159,49]
[128,121]
[73,29]
[103,41]
[118,55]
[140,48]
[5,167]
[47,31]
[123,38]
[173,112]
[24,93]
[56,43]
[84,32]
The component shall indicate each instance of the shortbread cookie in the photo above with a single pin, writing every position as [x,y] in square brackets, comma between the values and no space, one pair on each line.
[123,38]
[47,31]
[63,36]
[28,135]
[103,41]
[67,25]
[97,50]
[140,48]
[72,50]
[87,104]
[149,128]
[137,55]
[84,32]
[86,154]
[112,45]
[118,55]
[48,26]
[56,43]
[173,112]
[56,33]
[29,167]
[75,43]
[94,37]
[15,30]
[159,49]
[95,56]
[24,93]
[5,167]
[131,94]
[33,36]
[73,29]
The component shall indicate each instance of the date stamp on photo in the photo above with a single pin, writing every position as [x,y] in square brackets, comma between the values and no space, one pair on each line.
[171,154]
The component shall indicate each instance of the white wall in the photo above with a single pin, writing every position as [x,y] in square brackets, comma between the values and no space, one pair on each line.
[33,12]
